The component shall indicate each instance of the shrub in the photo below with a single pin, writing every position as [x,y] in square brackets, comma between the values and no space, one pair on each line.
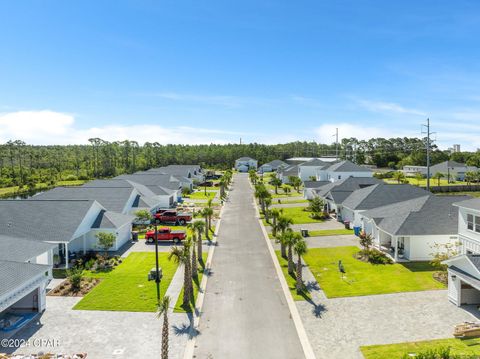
[70,178]
[83,177]
[439,353]
[373,256]
[75,278]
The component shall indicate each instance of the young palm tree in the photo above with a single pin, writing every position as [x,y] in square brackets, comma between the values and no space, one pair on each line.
[199,227]
[208,213]
[290,239]
[418,177]
[282,225]
[163,307]
[398,176]
[194,265]
[181,255]
[276,182]
[300,249]
[275,213]
[267,202]
[438,176]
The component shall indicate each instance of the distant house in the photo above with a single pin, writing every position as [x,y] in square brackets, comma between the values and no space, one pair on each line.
[309,169]
[163,185]
[341,170]
[411,171]
[464,269]
[284,173]
[272,166]
[453,170]
[376,196]
[245,164]
[69,224]
[409,230]
[310,188]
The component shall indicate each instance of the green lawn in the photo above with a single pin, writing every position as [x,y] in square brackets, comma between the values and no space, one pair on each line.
[179,308]
[285,200]
[364,278]
[14,189]
[200,194]
[291,280]
[465,193]
[281,194]
[299,215]
[325,232]
[141,234]
[464,347]
[126,288]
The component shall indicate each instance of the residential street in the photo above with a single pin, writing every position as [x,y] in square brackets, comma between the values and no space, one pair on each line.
[245,314]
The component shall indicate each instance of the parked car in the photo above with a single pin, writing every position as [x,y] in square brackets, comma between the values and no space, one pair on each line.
[173,217]
[165,234]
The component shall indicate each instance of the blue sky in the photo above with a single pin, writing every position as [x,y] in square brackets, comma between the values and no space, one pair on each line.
[215,71]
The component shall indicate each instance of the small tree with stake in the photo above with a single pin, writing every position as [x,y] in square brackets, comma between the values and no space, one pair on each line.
[106,240]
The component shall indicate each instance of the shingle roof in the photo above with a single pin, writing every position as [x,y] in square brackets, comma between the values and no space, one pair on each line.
[348,184]
[16,274]
[290,170]
[21,250]
[453,166]
[44,220]
[428,215]
[163,180]
[347,166]
[276,163]
[106,219]
[314,163]
[113,199]
[473,203]
[120,183]
[246,159]
[381,195]
[315,184]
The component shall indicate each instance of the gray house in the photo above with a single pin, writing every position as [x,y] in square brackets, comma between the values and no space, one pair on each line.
[245,164]
[272,166]
[452,170]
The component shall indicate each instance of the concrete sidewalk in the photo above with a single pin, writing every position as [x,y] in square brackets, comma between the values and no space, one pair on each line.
[245,314]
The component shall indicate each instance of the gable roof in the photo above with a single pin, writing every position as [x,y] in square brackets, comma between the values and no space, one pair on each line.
[314,163]
[347,166]
[44,220]
[113,199]
[473,203]
[152,179]
[21,250]
[13,275]
[428,215]
[246,159]
[452,166]
[348,185]
[276,163]
[106,219]
[315,184]
[382,194]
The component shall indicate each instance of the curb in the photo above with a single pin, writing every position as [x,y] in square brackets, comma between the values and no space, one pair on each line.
[190,346]
[302,334]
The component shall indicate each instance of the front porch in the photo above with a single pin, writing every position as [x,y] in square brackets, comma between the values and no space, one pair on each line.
[394,247]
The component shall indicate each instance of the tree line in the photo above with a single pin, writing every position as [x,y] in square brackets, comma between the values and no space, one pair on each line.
[22,164]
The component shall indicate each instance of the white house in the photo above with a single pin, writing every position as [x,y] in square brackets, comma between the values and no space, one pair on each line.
[411,171]
[341,170]
[410,230]
[464,269]
[309,170]
[452,169]
[284,173]
[310,188]
[272,166]
[245,164]
[375,196]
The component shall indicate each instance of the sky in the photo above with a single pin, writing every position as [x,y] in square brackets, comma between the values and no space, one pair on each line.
[217,71]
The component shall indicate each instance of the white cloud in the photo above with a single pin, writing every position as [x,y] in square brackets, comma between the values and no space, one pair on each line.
[218,100]
[388,107]
[49,127]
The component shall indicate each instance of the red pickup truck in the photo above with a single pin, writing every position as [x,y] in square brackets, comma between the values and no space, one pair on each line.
[173,217]
[165,234]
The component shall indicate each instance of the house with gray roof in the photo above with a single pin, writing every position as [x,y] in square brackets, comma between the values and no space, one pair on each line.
[25,270]
[71,225]
[453,170]
[308,170]
[285,173]
[375,196]
[310,188]
[245,164]
[272,166]
[409,230]
[159,183]
[344,169]
[464,268]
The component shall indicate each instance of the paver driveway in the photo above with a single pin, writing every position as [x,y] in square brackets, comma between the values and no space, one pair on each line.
[245,314]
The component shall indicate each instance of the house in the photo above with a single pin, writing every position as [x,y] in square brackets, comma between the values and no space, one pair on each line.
[309,170]
[334,193]
[183,177]
[272,166]
[452,170]
[245,164]
[341,170]
[25,270]
[145,199]
[310,187]
[375,196]
[69,224]
[160,184]
[464,268]
[410,171]
[284,173]
[409,230]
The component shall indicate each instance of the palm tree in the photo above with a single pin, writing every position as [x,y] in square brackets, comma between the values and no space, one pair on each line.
[199,226]
[267,201]
[208,213]
[418,177]
[194,241]
[300,249]
[438,176]
[276,182]
[282,225]
[398,176]
[275,213]
[181,255]
[290,238]
[163,307]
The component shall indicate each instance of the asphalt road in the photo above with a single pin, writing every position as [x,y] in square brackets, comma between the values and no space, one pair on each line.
[245,314]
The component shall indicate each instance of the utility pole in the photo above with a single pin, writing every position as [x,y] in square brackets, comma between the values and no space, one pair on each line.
[336,143]
[428,133]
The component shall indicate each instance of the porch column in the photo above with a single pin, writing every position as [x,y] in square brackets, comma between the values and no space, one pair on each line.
[66,255]
[84,244]
[395,240]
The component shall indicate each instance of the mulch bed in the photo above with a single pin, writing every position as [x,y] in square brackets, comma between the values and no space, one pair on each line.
[442,277]
[64,289]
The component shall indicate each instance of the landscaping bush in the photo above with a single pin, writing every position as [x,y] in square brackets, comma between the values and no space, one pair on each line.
[439,353]
[70,178]
[75,278]
[373,256]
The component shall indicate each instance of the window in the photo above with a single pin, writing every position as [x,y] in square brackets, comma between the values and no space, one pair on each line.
[470,221]
[477,224]
[339,177]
